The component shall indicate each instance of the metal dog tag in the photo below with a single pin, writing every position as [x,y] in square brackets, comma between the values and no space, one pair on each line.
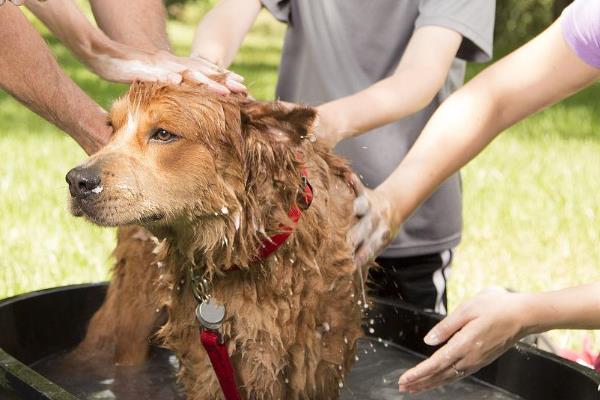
[210,314]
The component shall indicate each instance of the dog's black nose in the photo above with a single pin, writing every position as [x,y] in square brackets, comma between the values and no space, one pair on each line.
[83,181]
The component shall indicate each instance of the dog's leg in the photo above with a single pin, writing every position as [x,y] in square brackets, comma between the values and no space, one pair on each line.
[121,329]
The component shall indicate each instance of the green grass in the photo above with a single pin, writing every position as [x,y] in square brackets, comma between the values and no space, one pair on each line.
[531,200]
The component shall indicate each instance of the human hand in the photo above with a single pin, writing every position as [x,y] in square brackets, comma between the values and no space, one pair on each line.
[478,332]
[330,129]
[120,63]
[375,227]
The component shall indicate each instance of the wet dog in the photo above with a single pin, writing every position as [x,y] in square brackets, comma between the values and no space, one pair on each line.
[217,179]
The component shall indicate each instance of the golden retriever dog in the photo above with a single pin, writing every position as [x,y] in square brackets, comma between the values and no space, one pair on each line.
[215,179]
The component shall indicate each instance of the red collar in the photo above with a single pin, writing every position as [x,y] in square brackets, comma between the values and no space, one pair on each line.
[274,242]
[210,337]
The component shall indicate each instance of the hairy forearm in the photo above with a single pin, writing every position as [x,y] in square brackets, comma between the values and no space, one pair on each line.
[222,30]
[29,72]
[573,308]
[139,23]
[66,21]
[535,76]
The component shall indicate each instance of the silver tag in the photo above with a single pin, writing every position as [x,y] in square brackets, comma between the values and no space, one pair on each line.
[210,314]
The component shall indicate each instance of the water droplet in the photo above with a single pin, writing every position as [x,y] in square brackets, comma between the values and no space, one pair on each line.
[345,340]
[341,384]
[157,310]
[286,380]
[356,358]
[225,210]
[371,330]
[371,321]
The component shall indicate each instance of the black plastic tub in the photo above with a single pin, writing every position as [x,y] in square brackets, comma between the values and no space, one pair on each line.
[37,325]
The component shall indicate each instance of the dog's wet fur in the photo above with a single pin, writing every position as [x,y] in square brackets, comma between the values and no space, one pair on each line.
[198,179]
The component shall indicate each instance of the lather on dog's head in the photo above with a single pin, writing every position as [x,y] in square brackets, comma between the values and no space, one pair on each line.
[183,156]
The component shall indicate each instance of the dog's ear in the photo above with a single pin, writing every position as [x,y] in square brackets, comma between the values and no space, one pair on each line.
[279,122]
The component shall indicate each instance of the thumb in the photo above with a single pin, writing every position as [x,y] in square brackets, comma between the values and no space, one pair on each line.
[446,328]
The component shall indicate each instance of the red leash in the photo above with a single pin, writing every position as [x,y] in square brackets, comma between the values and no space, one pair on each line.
[219,358]
[211,315]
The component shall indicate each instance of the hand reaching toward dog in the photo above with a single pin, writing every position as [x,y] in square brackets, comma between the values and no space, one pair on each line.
[477,333]
[124,64]
[375,228]
[118,62]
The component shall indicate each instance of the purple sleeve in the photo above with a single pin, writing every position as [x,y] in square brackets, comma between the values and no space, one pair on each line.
[581,30]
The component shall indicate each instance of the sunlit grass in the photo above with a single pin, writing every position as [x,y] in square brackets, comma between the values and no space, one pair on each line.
[532,203]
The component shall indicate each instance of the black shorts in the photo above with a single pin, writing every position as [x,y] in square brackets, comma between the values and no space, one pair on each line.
[418,280]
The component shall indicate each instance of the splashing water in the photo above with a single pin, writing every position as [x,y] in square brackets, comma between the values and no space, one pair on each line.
[374,376]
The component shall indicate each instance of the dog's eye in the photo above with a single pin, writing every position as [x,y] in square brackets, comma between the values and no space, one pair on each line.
[163,136]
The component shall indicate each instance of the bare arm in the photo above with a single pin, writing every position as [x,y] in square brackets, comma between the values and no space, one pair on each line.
[30,73]
[480,330]
[419,76]
[539,74]
[116,61]
[220,33]
[139,23]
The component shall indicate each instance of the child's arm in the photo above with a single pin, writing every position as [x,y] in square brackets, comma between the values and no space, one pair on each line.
[220,33]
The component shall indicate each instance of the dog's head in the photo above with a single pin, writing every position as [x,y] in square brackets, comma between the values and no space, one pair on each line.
[181,154]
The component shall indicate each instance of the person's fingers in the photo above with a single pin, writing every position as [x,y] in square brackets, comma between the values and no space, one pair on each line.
[201,78]
[362,255]
[235,86]
[235,76]
[371,245]
[443,377]
[447,327]
[439,361]
[174,79]
[360,231]
[2,2]
[361,205]
[357,185]
[207,65]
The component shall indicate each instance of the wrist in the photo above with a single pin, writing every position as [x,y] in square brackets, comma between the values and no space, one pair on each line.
[333,124]
[532,313]
[215,58]
[397,208]
[102,48]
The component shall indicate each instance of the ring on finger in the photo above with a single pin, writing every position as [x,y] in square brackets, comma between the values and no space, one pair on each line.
[459,372]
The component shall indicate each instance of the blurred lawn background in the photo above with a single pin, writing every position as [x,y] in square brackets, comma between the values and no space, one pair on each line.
[531,206]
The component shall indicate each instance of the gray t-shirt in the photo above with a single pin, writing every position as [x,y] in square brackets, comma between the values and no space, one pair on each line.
[334,48]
